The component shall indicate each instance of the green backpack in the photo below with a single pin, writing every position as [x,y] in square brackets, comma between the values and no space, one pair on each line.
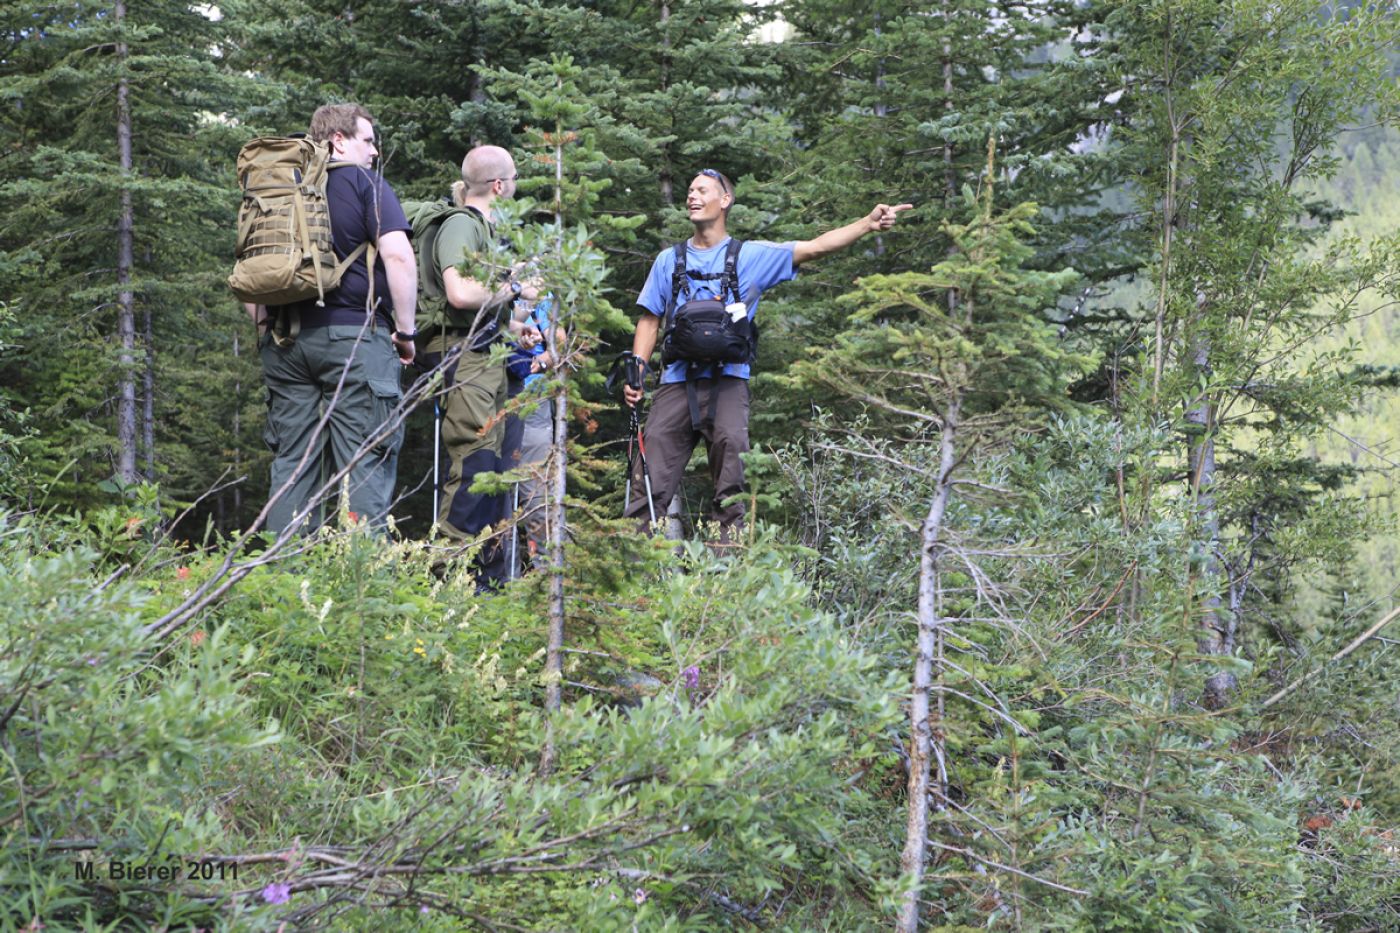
[426,218]
[284,252]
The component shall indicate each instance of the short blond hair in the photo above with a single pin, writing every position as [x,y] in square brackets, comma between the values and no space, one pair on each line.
[330,119]
[480,167]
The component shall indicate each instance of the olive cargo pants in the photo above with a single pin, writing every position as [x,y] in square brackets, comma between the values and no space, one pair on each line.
[301,383]
[473,431]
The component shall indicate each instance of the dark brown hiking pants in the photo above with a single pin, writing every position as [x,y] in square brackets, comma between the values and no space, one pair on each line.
[671,438]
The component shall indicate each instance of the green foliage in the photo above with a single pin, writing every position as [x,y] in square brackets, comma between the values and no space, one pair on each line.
[408,711]
[729,746]
[104,745]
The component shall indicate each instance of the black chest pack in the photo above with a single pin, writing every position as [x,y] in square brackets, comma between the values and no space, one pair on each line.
[702,332]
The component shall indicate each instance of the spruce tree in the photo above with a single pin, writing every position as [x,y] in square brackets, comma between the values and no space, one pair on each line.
[118,220]
[1241,109]
[955,357]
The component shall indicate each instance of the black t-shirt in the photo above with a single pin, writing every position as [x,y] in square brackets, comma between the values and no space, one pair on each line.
[363,208]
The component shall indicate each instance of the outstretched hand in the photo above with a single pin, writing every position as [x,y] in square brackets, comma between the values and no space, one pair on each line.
[884,216]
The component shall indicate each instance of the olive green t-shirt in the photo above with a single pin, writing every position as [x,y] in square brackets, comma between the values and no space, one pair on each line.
[460,236]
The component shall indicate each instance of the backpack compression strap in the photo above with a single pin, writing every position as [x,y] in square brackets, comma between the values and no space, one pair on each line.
[730,280]
[731,269]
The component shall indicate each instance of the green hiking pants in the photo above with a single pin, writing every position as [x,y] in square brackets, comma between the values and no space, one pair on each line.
[473,431]
[304,382]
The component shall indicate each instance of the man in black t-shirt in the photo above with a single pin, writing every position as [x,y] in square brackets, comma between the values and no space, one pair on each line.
[337,363]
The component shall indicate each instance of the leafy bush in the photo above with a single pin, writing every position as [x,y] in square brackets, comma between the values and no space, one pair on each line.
[105,742]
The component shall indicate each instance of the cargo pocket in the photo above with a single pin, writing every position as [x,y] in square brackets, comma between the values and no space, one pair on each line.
[387,396]
[270,436]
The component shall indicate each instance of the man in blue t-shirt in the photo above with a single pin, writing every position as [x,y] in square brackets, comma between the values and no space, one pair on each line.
[347,355]
[692,401]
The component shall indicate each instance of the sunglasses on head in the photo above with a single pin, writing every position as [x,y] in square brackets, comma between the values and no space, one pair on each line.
[711,173]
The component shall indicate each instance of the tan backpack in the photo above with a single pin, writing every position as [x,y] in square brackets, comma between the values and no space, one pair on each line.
[284,253]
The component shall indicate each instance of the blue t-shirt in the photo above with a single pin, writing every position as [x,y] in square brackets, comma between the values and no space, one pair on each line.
[761,266]
[362,207]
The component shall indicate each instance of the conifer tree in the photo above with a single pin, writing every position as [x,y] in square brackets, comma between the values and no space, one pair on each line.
[117,207]
[678,87]
[953,356]
[568,172]
[892,103]
[1240,109]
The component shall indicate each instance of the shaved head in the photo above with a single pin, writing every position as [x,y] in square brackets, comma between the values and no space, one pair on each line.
[485,164]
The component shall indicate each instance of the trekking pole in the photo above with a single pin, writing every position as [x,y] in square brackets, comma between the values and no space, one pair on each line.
[641,455]
[629,368]
[631,462]
[634,380]
[513,554]
[437,458]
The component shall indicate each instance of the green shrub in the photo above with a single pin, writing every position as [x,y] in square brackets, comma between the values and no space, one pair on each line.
[104,743]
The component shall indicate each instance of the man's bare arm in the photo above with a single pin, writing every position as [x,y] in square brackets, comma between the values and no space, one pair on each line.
[402,271]
[881,218]
[468,294]
[643,342]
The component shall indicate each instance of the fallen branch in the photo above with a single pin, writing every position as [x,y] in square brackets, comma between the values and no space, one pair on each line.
[1356,643]
[968,853]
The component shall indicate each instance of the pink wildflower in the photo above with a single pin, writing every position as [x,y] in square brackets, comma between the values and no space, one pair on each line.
[279,892]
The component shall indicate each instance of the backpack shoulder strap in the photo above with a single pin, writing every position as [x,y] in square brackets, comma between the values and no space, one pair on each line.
[427,219]
[678,286]
[731,269]
[678,282]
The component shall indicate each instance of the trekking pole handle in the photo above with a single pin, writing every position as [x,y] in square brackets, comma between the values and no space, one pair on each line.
[636,370]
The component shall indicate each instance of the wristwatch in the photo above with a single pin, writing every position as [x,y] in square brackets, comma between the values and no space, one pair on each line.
[515,289]
[405,336]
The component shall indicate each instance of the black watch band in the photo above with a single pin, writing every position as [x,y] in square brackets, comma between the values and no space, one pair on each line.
[404,335]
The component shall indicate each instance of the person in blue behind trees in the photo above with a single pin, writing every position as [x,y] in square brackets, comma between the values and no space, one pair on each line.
[701,298]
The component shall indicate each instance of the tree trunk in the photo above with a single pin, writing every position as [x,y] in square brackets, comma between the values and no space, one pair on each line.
[237,438]
[1169,210]
[126,301]
[557,480]
[666,177]
[881,109]
[555,531]
[476,89]
[1217,635]
[148,412]
[921,738]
